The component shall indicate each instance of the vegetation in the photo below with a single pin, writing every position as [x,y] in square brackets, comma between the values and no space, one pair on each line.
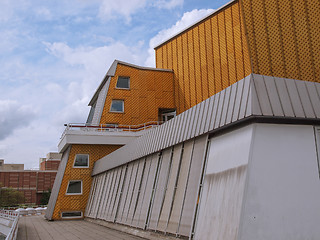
[45,197]
[10,197]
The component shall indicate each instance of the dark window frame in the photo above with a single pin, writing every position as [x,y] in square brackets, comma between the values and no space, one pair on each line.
[75,159]
[114,111]
[121,78]
[77,193]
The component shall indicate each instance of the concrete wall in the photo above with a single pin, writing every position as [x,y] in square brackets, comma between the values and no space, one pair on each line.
[224,183]
[282,199]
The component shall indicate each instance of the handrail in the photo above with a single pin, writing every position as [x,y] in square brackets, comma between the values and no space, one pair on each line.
[110,127]
[11,216]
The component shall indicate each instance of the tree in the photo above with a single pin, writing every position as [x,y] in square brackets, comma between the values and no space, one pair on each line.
[10,197]
[45,197]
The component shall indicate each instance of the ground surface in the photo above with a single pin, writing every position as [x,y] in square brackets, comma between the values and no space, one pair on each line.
[36,227]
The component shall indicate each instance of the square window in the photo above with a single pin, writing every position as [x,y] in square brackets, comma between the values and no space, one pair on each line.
[117,106]
[81,161]
[74,187]
[123,82]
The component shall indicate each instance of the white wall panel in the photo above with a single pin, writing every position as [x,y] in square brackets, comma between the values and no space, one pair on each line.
[115,206]
[142,190]
[171,186]
[283,191]
[160,188]
[180,188]
[224,182]
[148,191]
[125,192]
[192,188]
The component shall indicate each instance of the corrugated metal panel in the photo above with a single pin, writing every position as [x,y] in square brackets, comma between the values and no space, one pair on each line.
[148,191]
[142,190]
[193,183]
[314,97]
[255,95]
[119,192]
[136,190]
[175,215]
[169,195]
[160,188]
[284,97]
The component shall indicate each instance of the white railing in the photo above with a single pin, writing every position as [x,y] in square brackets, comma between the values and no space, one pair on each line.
[13,217]
[110,127]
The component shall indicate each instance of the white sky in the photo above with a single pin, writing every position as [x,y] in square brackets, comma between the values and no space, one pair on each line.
[54,55]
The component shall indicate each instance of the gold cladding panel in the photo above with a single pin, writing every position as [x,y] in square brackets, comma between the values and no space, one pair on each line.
[211,56]
[283,37]
[142,84]
[78,202]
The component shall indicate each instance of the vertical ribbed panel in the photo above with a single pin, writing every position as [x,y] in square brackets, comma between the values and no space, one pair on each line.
[160,188]
[170,191]
[255,95]
[211,55]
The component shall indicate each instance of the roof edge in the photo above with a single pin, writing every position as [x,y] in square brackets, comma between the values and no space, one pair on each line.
[112,70]
[195,23]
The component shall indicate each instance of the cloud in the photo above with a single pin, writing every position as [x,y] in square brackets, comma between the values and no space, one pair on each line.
[187,19]
[163,4]
[110,9]
[13,116]
[89,64]
[43,13]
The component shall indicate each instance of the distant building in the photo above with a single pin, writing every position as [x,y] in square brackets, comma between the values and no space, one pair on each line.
[51,162]
[31,182]
[10,166]
[237,156]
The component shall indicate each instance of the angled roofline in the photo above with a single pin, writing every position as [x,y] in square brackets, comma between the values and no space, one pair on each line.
[195,23]
[111,72]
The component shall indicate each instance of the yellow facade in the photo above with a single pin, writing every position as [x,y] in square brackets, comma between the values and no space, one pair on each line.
[149,91]
[207,57]
[68,203]
[283,37]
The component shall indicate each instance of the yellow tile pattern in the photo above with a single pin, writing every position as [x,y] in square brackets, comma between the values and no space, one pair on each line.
[208,57]
[78,202]
[283,37]
[149,91]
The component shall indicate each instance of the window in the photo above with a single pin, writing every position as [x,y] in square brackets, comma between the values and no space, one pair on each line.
[81,161]
[71,214]
[74,187]
[117,106]
[123,82]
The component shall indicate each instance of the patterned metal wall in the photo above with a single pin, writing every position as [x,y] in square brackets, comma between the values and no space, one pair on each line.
[208,57]
[149,91]
[65,203]
[283,37]
[158,192]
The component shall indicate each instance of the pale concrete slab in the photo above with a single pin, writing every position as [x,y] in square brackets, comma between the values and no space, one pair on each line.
[37,228]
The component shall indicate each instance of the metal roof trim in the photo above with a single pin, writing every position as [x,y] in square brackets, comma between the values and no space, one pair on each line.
[260,98]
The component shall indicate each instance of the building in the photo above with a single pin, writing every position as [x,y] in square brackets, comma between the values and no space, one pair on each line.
[237,156]
[10,166]
[51,162]
[32,183]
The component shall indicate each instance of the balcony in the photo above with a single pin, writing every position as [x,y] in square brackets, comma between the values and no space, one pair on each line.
[109,134]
